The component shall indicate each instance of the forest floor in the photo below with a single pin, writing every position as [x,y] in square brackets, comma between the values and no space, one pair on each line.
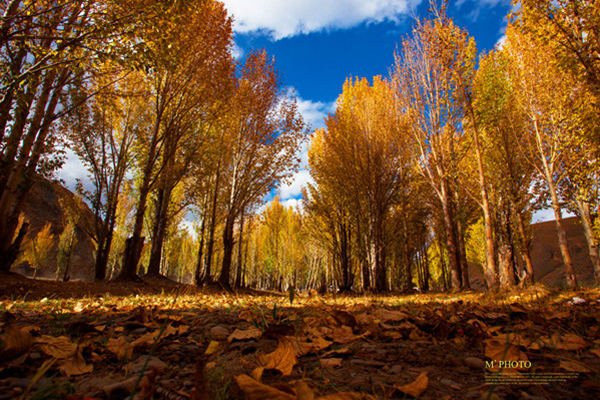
[80,340]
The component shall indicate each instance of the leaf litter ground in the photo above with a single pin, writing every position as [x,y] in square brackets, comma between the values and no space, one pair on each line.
[174,342]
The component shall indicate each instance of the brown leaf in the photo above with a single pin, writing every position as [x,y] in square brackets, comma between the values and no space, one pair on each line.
[595,351]
[283,358]
[238,334]
[14,342]
[303,392]
[573,366]
[120,347]
[58,347]
[502,351]
[344,334]
[331,362]
[255,390]
[347,396]
[416,388]
[390,316]
[75,365]
[571,341]
[343,318]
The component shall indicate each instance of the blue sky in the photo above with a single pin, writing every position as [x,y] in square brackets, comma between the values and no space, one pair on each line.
[317,44]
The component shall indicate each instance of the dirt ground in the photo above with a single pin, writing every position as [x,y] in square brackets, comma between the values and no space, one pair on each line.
[162,340]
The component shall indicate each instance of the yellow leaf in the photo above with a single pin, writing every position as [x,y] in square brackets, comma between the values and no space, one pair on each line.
[255,390]
[283,358]
[213,346]
[58,347]
[416,388]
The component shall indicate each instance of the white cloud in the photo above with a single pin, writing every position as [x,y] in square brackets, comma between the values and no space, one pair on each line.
[500,42]
[293,203]
[72,170]
[190,227]
[314,112]
[294,188]
[547,214]
[286,18]
[236,51]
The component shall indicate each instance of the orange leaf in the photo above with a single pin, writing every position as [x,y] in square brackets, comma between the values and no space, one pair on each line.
[283,358]
[331,362]
[238,334]
[416,388]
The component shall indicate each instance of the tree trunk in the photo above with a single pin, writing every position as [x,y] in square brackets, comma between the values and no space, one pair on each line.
[529,274]
[451,242]
[206,278]
[507,267]
[345,259]
[586,220]
[240,265]
[159,230]
[562,238]
[198,274]
[466,282]
[228,243]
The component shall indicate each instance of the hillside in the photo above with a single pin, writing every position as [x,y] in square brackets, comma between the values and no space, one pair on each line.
[46,203]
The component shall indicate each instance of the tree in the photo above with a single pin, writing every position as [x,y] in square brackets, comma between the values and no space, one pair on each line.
[265,132]
[46,45]
[502,122]
[38,252]
[189,69]
[545,94]
[425,80]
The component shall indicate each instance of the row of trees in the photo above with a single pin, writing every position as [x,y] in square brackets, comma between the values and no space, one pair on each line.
[149,97]
[449,155]
[408,166]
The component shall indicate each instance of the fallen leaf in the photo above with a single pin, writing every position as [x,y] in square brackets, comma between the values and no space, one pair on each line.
[390,316]
[502,351]
[120,347]
[75,365]
[571,341]
[303,392]
[347,396]
[255,390]
[14,342]
[573,366]
[238,334]
[58,347]
[213,346]
[283,358]
[344,334]
[416,388]
[331,362]
[595,351]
